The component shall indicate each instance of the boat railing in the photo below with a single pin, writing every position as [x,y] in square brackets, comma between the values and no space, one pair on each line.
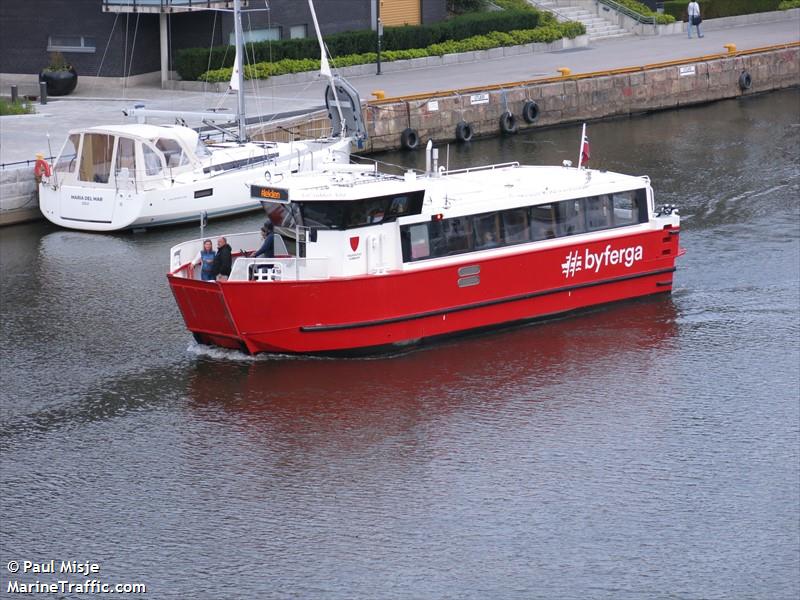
[279,269]
[482,168]
[182,255]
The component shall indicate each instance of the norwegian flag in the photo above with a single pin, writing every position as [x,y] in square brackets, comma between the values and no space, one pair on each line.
[585,150]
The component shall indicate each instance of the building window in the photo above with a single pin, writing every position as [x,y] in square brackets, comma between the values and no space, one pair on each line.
[257,35]
[298,31]
[71,43]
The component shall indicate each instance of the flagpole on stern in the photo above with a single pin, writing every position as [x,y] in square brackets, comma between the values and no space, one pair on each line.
[583,141]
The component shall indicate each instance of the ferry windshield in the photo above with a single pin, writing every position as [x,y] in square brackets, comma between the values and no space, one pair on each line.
[359,213]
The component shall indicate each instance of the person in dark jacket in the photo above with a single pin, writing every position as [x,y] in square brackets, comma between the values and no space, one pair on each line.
[267,249]
[222,260]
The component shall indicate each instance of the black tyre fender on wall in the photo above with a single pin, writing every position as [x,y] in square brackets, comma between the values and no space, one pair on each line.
[530,112]
[409,139]
[745,81]
[463,131]
[508,123]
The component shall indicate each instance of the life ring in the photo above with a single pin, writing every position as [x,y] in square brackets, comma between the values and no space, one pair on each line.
[42,168]
[409,139]
[463,131]
[508,123]
[530,112]
[745,81]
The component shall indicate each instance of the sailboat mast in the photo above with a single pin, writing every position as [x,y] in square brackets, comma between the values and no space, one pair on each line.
[237,28]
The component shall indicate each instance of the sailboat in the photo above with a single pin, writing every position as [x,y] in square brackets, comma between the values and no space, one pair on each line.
[141,175]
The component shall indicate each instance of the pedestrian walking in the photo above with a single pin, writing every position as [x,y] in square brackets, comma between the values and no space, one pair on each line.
[693,10]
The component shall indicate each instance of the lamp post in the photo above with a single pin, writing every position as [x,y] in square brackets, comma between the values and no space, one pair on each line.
[380,33]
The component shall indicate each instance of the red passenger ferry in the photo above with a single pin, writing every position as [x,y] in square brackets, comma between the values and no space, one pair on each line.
[380,260]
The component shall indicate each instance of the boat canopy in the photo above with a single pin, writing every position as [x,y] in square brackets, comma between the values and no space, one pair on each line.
[103,155]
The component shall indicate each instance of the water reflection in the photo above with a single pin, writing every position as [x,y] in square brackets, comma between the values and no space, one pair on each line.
[470,373]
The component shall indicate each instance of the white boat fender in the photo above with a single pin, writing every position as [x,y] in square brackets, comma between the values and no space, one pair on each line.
[463,131]
[530,111]
[508,123]
[745,81]
[409,139]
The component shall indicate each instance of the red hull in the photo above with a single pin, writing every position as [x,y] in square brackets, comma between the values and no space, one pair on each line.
[406,307]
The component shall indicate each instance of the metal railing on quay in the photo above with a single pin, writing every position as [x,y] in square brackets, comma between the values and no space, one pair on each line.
[628,12]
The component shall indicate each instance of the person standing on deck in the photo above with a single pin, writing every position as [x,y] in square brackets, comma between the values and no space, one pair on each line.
[222,260]
[267,249]
[693,10]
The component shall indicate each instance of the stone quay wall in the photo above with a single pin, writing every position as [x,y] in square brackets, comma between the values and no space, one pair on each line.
[582,97]
[565,99]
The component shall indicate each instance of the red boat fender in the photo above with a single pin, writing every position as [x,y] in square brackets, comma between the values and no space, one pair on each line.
[42,167]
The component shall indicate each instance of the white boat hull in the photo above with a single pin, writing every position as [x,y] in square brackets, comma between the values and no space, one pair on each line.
[128,205]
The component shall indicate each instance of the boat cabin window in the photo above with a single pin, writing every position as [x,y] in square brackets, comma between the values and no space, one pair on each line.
[66,160]
[201,150]
[173,152]
[96,153]
[459,235]
[126,156]
[359,213]
[153,164]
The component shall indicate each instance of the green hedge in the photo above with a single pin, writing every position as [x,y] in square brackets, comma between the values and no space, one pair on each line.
[642,9]
[190,63]
[712,9]
[787,4]
[494,39]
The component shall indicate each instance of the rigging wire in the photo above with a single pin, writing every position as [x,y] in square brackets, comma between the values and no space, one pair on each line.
[210,51]
[130,65]
[105,52]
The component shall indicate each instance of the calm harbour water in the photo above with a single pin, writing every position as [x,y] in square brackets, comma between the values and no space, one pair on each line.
[646,450]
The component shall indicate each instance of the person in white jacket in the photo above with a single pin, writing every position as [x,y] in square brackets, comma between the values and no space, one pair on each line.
[693,10]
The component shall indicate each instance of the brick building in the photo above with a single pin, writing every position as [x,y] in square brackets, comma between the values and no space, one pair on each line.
[117,38]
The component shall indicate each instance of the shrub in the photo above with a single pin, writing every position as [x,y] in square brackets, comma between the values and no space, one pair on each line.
[661,19]
[712,9]
[14,108]
[495,39]
[464,6]
[191,62]
[787,4]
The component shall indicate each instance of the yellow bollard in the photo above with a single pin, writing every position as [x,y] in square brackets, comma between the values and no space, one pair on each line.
[565,71]
[379,94]
[731,48]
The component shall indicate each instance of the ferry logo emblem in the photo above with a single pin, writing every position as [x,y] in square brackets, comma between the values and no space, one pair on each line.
[572,264]
[354,243]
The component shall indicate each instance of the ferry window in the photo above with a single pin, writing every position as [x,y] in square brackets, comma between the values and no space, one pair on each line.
[96,157]
[398,206]
[173,153]
[625,211]
[323,215]
[126,155]
[152,161]
[487,231]
[569,217]
[542,222]
[66,160]
[455,236]
[598,214]
[515,225]
[419,243]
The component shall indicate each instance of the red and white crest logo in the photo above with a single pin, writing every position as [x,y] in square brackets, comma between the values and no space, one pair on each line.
[354,243]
